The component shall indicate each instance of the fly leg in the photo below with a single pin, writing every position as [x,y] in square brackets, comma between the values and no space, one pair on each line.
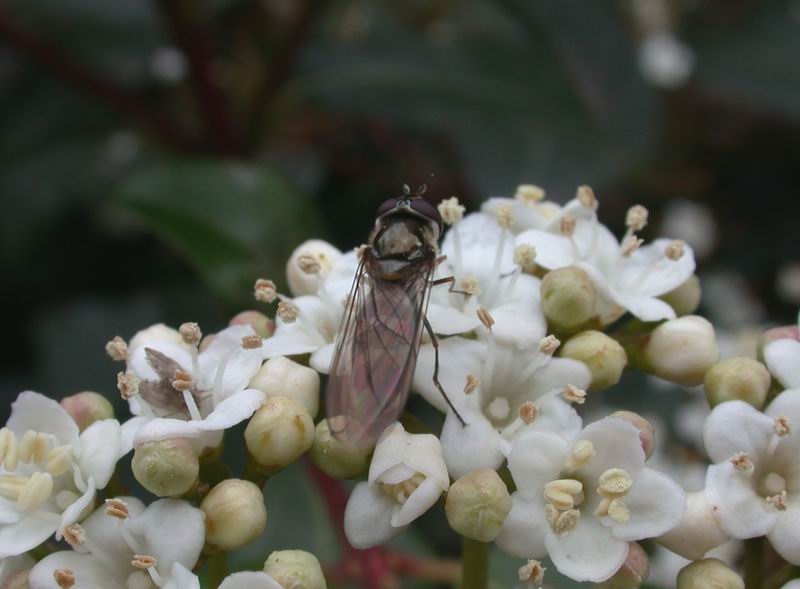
[451,280]
[435,343]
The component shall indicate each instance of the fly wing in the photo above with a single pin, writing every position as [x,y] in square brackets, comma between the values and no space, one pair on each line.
[376,351]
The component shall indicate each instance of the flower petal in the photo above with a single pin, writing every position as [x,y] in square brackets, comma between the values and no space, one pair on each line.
[89,572]
[367,517]
[419,452]
[78,508]
[616,445]
[520,324]
[742,513]
[105,532]
[225,356]
[643,307]
[446,320]
[164,429]
[182,578]
[100,449]
[587,553]
[536,459]
[558,373]
[783,360]
[290,343]
[33,411]
[558,417]
[785,536]
[552,250]
[467,448]
[650,273]
[321,359]
[525,527]
[421,500]
[26,534]
[250,580]
[458,357]
[235,409]
[656,504]
[736,426]
[787,404]
[173,530]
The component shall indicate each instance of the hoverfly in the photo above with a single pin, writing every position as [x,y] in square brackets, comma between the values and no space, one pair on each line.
[379,337]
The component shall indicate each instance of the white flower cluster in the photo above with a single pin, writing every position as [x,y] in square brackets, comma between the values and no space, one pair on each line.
[547,307]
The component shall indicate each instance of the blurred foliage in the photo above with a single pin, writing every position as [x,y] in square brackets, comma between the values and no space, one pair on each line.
[157,156]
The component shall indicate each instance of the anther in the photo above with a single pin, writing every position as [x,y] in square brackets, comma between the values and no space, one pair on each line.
[630,245]
[548,345]
[182,381]
[117,349]
[741,461]
[33,446]
[561,493]
[778,501]
[8,449]
[485,317]
[566,521]
[451,210]
[567,226]
[574,395]
[528,412]
[64,578]
[117,508]
[288,311]
[59,460]
[75,535]
[782,428]
[505,216]
[252,342]
[190,333]
[585,196]
[309,264]
[471,384]
[532,572]
[265,290]
[674,251]
[636,218]
[471,285]
[35,492]
[143,561]
[614,482]
[525,257]
[128,384]
[529,193]
[581,454]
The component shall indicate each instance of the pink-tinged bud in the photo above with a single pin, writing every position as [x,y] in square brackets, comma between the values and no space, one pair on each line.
[783,332]
[697,532]
[87,407]
[235,514]
[261,324]
[166,468]
[709,573]
[633,572]
[647,434]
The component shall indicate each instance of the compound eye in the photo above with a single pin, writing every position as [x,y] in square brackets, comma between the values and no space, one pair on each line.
[429,211]
[387,206]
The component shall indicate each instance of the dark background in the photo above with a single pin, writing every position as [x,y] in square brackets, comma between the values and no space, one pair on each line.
[158,155]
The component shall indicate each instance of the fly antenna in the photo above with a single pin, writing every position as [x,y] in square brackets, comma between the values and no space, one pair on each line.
[421,190]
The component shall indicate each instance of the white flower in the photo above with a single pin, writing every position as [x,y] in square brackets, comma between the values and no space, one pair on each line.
[582,501]
[12,566]
[50,471]
[183,393]
[754,485]
[137,547]
[627,276]
[406,477]
[529,210]
[250,580]
[314,329]
[782,357]
[480,255]
[507,378]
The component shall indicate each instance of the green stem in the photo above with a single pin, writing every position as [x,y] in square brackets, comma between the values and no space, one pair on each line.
[753,563]
[475,564]
[217,569]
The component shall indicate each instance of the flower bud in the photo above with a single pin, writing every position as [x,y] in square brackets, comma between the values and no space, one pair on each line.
[633,572]
[744,379]
[685,298]
[709,573]
[568,298]
[301,280]
[166,468]
[335,459]
[279,433]
[478,504]
[155,333]
[647,434]
[682,350]
[697,532]
[261,324]
[235,514]
[281,377]
[295,568]
[87,407]
[604,357]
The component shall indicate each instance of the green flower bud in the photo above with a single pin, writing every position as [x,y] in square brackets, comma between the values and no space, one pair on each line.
[261,324]
[633,572]
[281,377]
[685,298]
[604,357]
[568,298]
[335,459]
[235,514]
[295,569]
[477,505]
[166,468]
[647,434]
[744,379]
[279,433]
[709,573]
[682,350]
[87,407]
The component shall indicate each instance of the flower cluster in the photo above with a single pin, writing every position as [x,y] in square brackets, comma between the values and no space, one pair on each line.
[546,308]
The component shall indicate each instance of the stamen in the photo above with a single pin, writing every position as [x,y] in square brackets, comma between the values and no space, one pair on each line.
[265,291]
[567,226]
[585,196]
[561,493]
[782,428]
[636,218]
[190,333]
[143,561]
[33,446]
[529,194]
[741,461]
[472,384]
[471,285]
[59,460]
[11,486]
[532,572]
[525,257]
[64,578]
[548,345]
[401,491]
[566,521]
[75,535]
[128,384]
[117,349]
[630,245]
[451,211]
[252,342]
[184,384]
[485,317]
[505,216]
[674,251]
[288,311]
[35,492]
[528,412]
[309,264]
[778,501]
[615,508]
[582,453]
[117,508]
[9,454]
[574,395]
[614,482]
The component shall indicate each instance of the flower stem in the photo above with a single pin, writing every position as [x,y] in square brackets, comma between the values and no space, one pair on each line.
[217,569]
[475,565]
[753,563]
